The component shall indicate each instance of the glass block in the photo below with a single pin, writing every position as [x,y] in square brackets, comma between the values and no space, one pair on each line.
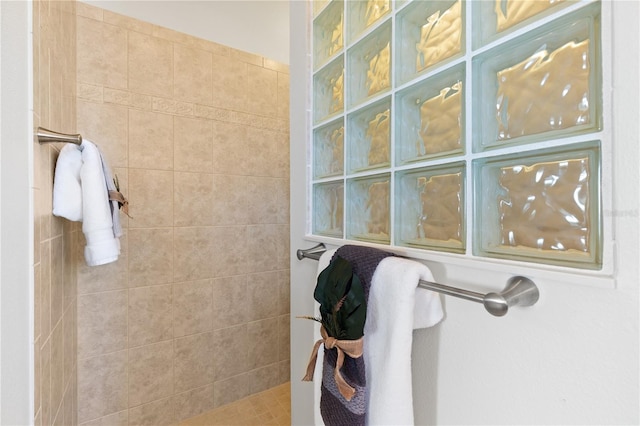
[370,65]
[368,215]
[328,209]
[328,150]
[542,85]
[430,118]
[364,13]
[430,208]
[492,18]
[369,137]
[427,34]
[328,90]
[544,207]
[328,33]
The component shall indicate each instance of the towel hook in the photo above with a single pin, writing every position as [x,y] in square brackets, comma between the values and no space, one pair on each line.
[47,136]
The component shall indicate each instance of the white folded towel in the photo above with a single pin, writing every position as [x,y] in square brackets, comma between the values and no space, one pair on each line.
[67,190]
[81,194]
[396,307]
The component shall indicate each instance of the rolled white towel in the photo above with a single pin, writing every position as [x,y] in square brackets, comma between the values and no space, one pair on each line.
[67,188]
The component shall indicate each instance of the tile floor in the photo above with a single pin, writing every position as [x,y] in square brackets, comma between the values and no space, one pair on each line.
[271,407]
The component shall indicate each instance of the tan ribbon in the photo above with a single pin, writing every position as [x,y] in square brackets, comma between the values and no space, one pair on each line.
[122,202]
[353,348]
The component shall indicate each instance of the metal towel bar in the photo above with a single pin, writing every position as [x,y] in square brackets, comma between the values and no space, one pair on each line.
[47,136]
[520,291]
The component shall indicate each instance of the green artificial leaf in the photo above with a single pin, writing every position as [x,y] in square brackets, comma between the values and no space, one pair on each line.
[343,307]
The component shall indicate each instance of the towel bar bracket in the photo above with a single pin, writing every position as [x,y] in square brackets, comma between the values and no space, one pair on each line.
[519,291]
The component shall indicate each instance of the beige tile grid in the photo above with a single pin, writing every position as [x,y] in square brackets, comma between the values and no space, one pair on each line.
[195,313]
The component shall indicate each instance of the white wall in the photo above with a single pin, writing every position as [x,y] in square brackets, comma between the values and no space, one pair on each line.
[255,26]
[16,214]
[570,359]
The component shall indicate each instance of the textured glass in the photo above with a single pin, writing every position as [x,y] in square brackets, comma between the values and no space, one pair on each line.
[428,33]
[429,119]
[368,216]
[370,65]
[512,12]
[328,89]
[328,151]
[318,5]
[328,209]
[429,208]
[364,13]
[545,92]
[540,86]
[328,33]
[370,137]
[545,206]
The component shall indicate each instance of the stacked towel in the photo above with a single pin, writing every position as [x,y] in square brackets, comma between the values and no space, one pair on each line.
[80,193]
[335,409]
[396,306]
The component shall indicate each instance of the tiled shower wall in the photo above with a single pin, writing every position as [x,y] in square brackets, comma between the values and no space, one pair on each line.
[55,271]
[195,313]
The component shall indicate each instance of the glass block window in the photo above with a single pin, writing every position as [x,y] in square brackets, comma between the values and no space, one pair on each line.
[468,128]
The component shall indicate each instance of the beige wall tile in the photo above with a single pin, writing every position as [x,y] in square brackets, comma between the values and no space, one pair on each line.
[37,298]
[229,301]
[263,199]
[231,389]
[150,198]
[261,337]
[57,367]
[283,196]
[282,109]
[102,323]
[45,384]
[193,253]
[69,337]
[192,307]
[157,413]
[193,145]
[231,200]
[276,66]
[230,251]
[285,371]
[232,360]
[37,375]
[150,64]
[284,291]
[151,259]
[128,22]
[105,125]
[45,288]
[262,152]
[229,83]
[263,292]
[88,11]
[283,246]
[150,140]
[102,53]
[264,378]
[192,74]
[193,199]
[150,315]
[262,248]
[194,361]
[116,419]
[231,152]
[150,373]
[284,336]
[262,86]
[57,280]
[102,385]
[247,57]
[193,402]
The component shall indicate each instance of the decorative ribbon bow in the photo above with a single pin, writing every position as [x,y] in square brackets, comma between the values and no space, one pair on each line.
[353,348]
[123,203]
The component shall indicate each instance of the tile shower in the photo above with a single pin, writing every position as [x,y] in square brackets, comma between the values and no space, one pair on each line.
[195,313]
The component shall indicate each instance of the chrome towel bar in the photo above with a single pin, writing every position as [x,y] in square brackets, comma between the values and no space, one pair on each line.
[47,136]
[520,291]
